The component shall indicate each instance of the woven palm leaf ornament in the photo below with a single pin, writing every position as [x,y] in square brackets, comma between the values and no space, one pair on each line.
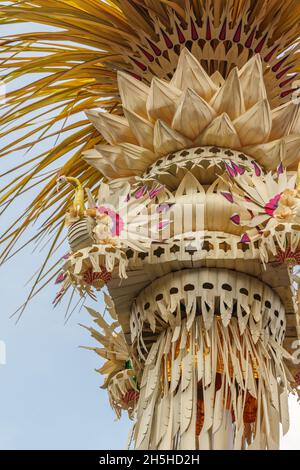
[273,203]
[120,218]
[180,197]
[120,380]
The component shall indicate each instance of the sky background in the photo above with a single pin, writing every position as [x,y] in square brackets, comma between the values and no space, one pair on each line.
[49,392]
[50,396]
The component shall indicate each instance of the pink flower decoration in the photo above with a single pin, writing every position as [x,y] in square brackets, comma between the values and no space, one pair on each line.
[91,278]
[59,295]
[118,223]
[155,191]
[60,278]
[163,224]
[280,169]
[245,238]
[163,207]
[288,256]
[256,169]
[230,170]
[130,397]
[141,192]
[272,205]
[228,196]
[235,218]
[237,168]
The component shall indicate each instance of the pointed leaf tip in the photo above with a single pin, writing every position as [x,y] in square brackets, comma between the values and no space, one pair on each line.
[230,170]
[227,196]
[245,238]
[257,169]
[280,169]
[236,219]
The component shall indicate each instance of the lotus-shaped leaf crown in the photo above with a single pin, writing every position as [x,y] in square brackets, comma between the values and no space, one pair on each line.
[194,109]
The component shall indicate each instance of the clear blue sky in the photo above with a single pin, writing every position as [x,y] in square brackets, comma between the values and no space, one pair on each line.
[49,392]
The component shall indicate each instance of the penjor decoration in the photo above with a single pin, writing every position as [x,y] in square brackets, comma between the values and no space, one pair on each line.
[186,206]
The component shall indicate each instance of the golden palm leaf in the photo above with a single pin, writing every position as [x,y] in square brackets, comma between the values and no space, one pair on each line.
[73,67]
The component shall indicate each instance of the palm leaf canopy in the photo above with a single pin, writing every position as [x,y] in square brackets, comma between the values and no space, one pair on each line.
[72,65]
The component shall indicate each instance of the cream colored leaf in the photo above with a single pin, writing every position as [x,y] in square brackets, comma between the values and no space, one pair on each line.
[254,126]
[286,120]
[252,82]
[190,74]
[229,99]
[134,93]
[142,129]
[193,115]
[167,140]
[221,132]
[162,101]
[115,129]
